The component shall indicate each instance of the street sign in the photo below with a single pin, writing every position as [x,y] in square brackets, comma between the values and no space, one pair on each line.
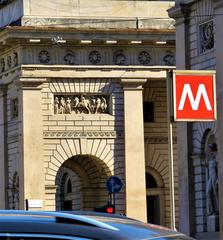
[114,184]
[194,95]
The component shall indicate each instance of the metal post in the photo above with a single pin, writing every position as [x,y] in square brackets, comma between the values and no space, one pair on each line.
[170,148]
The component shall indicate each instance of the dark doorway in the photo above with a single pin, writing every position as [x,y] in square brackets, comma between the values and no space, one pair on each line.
[67,205]
[153,209]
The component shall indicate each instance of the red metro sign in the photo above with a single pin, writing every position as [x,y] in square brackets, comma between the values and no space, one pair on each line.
[194,95]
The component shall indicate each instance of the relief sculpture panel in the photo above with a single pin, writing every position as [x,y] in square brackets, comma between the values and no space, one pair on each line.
[82,103]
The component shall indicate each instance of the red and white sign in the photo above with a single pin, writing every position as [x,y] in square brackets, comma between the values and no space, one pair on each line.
[194,95]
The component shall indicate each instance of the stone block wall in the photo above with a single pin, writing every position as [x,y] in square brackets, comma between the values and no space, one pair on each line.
[156,144]
[80,134]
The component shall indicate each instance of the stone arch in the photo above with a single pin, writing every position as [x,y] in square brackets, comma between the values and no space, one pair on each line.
[204,135]
[97,148]
[156,175]
[208,140]
[200,131]
[155,197]
[88,176]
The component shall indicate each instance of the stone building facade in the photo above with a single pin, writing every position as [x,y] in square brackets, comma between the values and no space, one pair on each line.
[198,47]
[75,78]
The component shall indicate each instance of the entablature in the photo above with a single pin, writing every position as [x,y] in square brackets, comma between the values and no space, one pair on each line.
[35,74]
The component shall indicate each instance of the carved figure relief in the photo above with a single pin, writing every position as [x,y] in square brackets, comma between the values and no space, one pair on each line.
[206,31]
[94,57]
[169,58]
[88,104]
[9,61]
[69,58]
[144,58]
[44,57]
[2,65]
[212,184]
[119,57]
[15,59]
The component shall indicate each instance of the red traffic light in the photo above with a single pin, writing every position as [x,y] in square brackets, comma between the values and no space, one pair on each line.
[110,209]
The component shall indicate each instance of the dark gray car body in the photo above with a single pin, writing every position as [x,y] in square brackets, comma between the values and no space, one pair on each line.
[78,225]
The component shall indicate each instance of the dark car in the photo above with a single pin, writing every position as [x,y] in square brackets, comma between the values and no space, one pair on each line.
[26,225]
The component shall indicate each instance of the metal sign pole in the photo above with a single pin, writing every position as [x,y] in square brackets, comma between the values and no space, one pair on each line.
[170,148]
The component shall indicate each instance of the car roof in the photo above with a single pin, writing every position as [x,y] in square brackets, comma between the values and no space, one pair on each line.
[81,224]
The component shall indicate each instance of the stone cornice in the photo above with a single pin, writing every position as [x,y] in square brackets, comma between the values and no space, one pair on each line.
[180,13]
[37,74]
[81,134]
[118,72]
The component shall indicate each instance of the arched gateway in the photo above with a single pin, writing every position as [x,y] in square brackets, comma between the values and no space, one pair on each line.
[80,183]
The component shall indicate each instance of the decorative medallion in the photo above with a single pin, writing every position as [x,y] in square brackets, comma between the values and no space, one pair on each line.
[69,58]
[169,58]
[2,65]
[44,56]
[9,61]
[76,104]
[206,31]
[94,57]
[119,57]
[144,58]
[15,59]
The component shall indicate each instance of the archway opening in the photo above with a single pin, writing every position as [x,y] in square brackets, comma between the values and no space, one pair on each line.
[80,183]
[154,198]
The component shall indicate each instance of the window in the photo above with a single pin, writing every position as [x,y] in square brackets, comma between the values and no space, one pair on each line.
[148,111]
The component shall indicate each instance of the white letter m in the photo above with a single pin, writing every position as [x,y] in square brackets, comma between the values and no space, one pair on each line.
[194,102]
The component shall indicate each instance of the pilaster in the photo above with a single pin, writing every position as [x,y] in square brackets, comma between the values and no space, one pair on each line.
[3,148]
[184,130]
[31,145]
[134,149]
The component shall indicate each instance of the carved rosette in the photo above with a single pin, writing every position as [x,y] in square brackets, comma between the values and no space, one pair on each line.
[44,57]
[169,58]
[206,31]
[119,57]
[77,104]
[94,57]
[69,58]
[144,58]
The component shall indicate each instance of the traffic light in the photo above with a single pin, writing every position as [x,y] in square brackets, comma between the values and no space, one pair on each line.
[108,208]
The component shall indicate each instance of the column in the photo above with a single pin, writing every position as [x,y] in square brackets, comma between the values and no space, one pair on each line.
[184,130]
[31,148]
[134,149]
[3,149]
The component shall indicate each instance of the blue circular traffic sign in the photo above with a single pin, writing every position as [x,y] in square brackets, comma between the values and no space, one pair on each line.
[114,184]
